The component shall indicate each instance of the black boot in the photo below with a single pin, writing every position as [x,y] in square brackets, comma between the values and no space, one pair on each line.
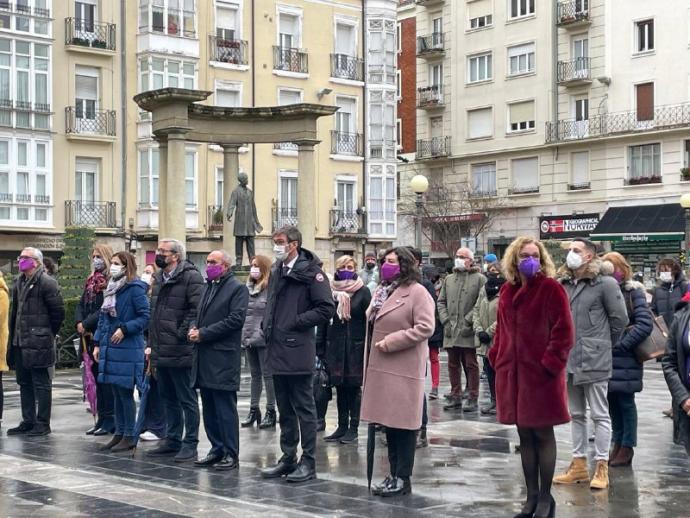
[113,442]
[254,416]
[269,420]
[351,434]
[354,400]
[126,444]
[342,416]
[337,435]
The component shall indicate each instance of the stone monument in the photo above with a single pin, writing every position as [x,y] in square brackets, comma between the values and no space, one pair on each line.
[241,205]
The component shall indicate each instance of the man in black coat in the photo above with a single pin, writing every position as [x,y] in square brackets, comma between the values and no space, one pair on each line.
[299,299]
[36,316]
[217,336]
[174,302]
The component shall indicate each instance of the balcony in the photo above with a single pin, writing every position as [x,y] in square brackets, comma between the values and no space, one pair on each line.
[347,67]
[214,218]
[644,180]
[576,72]
[436,147]
[285,148]
[6,197]
[572,14]
[95,214]
[343,143]
[483,193]
[430,97]
[283,216]
[428,3]
[42,199]
[347,223]
[430,46]
[667,117]
[233,52]
[22,198]
[87,34]
[90,123]
[290,60]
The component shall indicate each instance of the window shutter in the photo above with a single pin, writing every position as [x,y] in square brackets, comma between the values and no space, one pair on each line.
[521,112]
[525,173]
[226,18]
[519,50]
[645,101]
[478,8]
[86,83]
[580,165]
[480,123]
[344,40]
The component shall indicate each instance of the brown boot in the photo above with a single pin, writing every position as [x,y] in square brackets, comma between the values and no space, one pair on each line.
[600,480]
[614,452]
[577,472]
[624,457]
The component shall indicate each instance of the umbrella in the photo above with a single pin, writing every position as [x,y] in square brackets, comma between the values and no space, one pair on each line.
[371,447]
[143,385]
[89,380]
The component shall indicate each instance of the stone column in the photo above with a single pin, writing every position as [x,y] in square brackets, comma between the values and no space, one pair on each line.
[174,216]
[306,193]
[162,184]
[231,168]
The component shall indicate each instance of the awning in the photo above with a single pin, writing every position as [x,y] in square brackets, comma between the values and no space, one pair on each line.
[664,222]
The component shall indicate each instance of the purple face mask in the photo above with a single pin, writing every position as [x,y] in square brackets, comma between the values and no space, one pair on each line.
[345,275]
[25,264]
[529,266]
[213,271]
[389,271]
[618,276]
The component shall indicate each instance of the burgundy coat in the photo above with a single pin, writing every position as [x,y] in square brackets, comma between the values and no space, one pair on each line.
[534,334]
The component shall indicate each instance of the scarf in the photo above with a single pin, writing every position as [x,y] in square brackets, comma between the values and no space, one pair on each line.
[253,287]
[95,283]
[493,286]
[383,291]
[110,295]
[342,293]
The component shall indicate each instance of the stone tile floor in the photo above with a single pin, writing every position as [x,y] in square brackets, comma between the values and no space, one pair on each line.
[469,469]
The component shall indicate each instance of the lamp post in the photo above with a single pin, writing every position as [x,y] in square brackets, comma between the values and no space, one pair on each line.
[419,185]
[685,203]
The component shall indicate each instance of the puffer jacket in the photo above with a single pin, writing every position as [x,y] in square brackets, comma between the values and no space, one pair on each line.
[252,334]
[455,304]
[173,308]
[675,364]
[666,297]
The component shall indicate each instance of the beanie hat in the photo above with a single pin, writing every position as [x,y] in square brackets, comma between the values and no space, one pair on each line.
[490,258]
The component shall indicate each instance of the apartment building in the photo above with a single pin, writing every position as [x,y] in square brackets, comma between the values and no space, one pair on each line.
[564,113]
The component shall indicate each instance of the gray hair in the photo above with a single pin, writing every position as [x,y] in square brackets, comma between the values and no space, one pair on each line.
[177,247]
[469,252]
[35,253]
[227,260]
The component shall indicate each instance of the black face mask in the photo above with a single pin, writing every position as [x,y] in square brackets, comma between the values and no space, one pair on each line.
[493,285]
[160,261]
[370,266]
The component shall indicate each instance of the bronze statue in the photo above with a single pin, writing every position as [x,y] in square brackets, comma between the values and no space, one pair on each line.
[242,206]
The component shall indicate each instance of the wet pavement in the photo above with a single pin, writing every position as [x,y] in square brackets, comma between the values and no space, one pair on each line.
[469,469]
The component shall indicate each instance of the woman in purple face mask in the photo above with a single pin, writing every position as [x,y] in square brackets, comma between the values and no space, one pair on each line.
[341,345]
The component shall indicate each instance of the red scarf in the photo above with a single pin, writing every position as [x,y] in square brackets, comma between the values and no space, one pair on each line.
[95,284]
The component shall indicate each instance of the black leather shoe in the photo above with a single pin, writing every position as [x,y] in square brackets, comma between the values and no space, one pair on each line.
[101,432]
[227,464]
[528,508]
[376,490]
[350,436]
[302,474]
[38,431]
[21,429]
[284,467]
[253,417]
[163,451]
[91,430]
[125,444]
[337,434]
[269,420]
[209,460]
[397,487]
[114,441]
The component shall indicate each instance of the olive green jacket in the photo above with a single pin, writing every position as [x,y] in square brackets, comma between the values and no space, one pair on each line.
[456,302]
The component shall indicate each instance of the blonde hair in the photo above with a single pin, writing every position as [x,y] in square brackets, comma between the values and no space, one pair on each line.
[264,264]
[342,261]
[619,263]
[511,259]
[106,252]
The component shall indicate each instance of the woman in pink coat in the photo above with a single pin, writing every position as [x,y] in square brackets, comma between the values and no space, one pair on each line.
[400,320]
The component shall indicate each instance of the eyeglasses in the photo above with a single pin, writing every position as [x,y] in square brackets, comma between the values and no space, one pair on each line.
[25,257]
[462,257]
[163,252]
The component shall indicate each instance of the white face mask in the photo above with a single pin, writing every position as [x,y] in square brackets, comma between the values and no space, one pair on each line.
[254,272]
[460,264]
[665,276]
[573,260]
[116,271]
[147,278]
[280,252]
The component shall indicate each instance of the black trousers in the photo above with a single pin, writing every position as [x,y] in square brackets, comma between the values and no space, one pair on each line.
[296,416]
[35,390]
[349,401]
[221,421]
[181,406]
[401,448]
[491,378]
[239,242]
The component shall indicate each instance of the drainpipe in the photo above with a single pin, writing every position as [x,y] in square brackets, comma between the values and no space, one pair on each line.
[123,117]
[253,65]
[365,123]
[554,97]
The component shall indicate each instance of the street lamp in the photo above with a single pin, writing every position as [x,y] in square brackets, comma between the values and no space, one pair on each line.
[419,185]
[685,203]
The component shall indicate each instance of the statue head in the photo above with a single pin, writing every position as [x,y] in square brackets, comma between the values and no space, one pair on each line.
[243,179]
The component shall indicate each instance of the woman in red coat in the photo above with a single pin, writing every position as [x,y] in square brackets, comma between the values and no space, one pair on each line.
[534,334]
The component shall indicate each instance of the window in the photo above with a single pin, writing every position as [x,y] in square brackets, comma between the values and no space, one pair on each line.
[644,96]
[521,59]
[220,182]
[25,180]
[86,98]
[645,163]
[382,52]
[148,177]
[436,30]
[579,170]
[525,173]
[382,129]
[436,76]
[190,179]
[480,123]
[287,199]
[171,17]
[345,117]
[228,94]
[686,153]
[398,37]
[382,199]
[484,179]
[479,68]
[345,39]
[398,84]
[521,116]
[479,14]
[345,197]
[21,20]
[155,73]
[520,8]
[481,21]
[286,97]
[288,31]
[645,35]
[85,15]
[86,180]
[398,133]
[227,20]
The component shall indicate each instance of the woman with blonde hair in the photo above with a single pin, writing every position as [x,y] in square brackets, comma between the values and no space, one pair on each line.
[254,343]
[534,334]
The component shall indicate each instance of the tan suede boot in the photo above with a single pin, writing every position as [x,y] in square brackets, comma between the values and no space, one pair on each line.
[577,472]
[601,476]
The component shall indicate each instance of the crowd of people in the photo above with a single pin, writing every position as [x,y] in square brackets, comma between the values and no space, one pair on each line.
[556,346]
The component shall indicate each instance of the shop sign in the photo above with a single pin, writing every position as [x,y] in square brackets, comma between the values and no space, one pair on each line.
[563,227]
[46,243]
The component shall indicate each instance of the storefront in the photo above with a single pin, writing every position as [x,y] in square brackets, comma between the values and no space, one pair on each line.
[567,226]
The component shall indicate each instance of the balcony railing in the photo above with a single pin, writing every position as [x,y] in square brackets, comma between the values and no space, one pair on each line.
[431,44]
[87,33]
[284,216]
[346,222]
[96,214]
[573,12]
[582,186]
[428,2]
[577,70]
[483,193]
[22,198]
[644,180]
[347,67]
[6,197]
[43,199]
[286,146]
[290,60]
[433,148]
[661,118]
[90,122]
[214,218]
[343,143]
[429,96]
[227,51]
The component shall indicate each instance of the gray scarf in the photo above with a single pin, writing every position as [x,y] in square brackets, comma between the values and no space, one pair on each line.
[110,295]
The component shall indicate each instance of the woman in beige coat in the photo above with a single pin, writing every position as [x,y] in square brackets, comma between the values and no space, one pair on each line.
[400,321]
[4,333]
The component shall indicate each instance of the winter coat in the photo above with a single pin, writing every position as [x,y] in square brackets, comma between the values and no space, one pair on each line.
[297,304]
[666,297]
[394,375]
[252,335]
[344,342]
[600,317]
[674,365]
[534,333]
[370,278]
[173,307]
[456,302]
[436,340]
[123,364]
[217,356]
[4,322]
[484,320]
[88,312]
[35,320]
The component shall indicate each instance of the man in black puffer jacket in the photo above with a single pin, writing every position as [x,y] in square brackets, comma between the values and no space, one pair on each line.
[176,294]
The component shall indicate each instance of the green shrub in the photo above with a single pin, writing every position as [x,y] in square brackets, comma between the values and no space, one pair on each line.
[75,265]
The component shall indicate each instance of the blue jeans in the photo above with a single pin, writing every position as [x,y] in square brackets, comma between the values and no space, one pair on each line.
[125,410]
[181,406]
[623,418]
